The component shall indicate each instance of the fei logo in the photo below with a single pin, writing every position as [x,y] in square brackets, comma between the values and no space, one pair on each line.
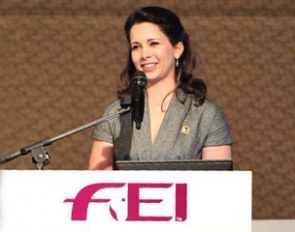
[173,197]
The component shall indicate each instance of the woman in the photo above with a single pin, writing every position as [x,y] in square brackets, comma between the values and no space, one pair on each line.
[179,122]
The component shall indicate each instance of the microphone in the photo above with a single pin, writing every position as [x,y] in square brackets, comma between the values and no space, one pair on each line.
[138,84]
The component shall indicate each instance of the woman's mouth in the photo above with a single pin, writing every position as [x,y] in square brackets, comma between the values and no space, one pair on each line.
[148,67]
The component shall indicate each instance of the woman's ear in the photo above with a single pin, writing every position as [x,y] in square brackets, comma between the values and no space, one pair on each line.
[178,49]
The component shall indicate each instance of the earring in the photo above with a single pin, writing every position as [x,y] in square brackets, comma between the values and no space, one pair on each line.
[176,62]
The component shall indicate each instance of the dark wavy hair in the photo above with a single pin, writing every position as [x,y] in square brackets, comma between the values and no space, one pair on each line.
[171,26]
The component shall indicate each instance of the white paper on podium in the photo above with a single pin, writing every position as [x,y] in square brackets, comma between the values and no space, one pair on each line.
[207,201]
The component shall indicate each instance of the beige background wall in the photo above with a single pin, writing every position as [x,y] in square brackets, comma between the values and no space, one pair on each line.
[60,62]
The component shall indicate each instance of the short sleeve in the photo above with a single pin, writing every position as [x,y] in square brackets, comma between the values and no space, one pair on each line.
[107,131]
[219,133]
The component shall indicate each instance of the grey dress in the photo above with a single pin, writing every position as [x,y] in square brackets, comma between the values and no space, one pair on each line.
[185,130]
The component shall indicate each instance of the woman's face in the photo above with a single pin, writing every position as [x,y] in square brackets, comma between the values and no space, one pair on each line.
[152,52]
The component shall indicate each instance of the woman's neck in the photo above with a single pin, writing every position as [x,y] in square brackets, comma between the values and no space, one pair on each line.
[160,94]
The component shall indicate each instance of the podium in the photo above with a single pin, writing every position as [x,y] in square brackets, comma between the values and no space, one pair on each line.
[172,201]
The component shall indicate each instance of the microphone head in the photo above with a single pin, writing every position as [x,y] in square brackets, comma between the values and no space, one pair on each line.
[139,78]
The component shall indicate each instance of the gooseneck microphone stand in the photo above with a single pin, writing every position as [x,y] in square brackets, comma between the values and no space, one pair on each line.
[41,156]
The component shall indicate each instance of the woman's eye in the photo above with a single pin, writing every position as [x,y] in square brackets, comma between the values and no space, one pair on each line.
[154,43]
[134,47]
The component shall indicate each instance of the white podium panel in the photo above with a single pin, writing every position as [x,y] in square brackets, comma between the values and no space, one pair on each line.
[172,201]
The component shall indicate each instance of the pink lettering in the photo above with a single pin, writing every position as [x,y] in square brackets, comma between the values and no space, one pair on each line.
[180,202]
[134,202]
[83,198]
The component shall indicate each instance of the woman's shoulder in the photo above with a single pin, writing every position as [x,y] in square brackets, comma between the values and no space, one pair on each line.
[212,111]
[113,107]
[211,105]
[208,105]
[208,110]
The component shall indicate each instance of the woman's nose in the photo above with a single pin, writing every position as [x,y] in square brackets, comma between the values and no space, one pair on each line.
[145,52]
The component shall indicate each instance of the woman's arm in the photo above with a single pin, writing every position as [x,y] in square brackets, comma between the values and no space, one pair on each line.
[101,156]
[222,152]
